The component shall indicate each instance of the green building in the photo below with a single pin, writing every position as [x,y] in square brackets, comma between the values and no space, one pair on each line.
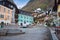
[25,17]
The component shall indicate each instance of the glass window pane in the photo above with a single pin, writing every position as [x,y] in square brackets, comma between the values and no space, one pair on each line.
[1,16]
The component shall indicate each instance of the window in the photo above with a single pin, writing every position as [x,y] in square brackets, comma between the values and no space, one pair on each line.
[4,9]
[1,16]
[30,21]
[21,20]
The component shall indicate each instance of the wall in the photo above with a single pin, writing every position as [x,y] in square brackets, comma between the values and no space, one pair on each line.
[7,14]
[58,12]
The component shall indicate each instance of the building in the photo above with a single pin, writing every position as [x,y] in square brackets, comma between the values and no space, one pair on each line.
[55,5]
[39,17]
[5,14]
[58,12]
[25,17]
[58,9]
[7,11]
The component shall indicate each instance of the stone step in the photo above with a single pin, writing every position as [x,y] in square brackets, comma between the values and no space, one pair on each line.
[3,32]
[14,32]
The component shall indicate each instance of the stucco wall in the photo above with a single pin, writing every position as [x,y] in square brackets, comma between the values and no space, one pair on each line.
[7,14]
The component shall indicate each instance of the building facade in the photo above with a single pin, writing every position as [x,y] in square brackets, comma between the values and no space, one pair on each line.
[58,12]
[25,17]
[39,17]
[58,9]
[5,14]
[7,11]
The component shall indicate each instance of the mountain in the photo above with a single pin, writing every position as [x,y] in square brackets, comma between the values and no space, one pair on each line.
[34,4]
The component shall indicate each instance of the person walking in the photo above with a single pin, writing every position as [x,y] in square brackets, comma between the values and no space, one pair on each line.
[21,24]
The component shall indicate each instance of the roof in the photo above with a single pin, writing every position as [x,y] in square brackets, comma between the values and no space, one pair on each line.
[11,1]
[25,12]
[8,0]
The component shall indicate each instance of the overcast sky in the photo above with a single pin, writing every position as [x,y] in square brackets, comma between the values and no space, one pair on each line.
[21,3]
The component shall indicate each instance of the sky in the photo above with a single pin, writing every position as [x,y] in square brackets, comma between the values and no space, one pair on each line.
[21,3]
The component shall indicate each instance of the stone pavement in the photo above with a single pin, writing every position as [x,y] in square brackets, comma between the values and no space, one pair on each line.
[39,33]
[58,36]
[53,34]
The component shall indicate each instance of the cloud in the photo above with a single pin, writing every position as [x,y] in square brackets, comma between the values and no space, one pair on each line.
[21,3]
[20,6]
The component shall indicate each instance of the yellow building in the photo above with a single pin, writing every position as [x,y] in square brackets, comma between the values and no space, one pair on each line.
[58,12]
[5,14]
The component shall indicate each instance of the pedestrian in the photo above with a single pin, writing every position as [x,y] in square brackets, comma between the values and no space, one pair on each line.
[21,24]
[2,24]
